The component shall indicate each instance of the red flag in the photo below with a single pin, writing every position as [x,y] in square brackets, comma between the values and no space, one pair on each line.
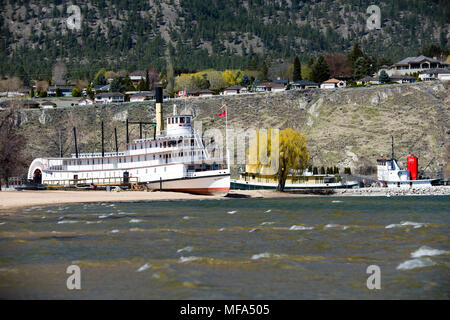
[223,114]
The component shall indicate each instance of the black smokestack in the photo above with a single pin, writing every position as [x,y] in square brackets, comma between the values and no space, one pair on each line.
[103,141]
[159,95]
[75,137]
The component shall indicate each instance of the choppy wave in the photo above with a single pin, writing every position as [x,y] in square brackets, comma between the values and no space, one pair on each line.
[295,227]
[135,220]
[232,212]
[187,249]
[188,259]
[332,225]
[114,231]
[427,251]
[267,223]
[67,221]
[93,222]
[264,255]
[415,225]
[144,267]
[416,263]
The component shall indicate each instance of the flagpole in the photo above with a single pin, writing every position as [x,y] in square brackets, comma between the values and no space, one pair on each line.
[226,136]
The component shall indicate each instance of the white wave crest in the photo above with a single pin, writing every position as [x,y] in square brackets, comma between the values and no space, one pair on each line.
[427,251]
[232,212]
[416,263]
[135,220]
[187,249]
[144,267]
[67,221]
[332,225]
[415,225]
[264,255]
[114,231]
[188,259]
[295,227]
[267,223]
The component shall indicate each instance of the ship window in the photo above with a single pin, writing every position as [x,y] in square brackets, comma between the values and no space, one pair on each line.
[154,170]
[188,120]
[182,120]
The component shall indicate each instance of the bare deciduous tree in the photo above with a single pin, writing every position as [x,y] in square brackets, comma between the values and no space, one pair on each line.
[10,85]
[12,160]
[338,65]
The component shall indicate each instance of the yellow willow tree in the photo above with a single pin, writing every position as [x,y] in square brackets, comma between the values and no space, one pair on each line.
[293,155]
[278,153]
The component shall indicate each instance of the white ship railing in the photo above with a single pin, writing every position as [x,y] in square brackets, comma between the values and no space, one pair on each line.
[90,181]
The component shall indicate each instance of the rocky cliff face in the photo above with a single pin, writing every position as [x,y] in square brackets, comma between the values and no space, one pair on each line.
[346,127]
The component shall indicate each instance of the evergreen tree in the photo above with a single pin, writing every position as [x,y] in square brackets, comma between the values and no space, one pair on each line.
[263,72]
[320,71]
[362,68]
[245,81]
[116,85]
[384,77]
[100,79]
[354,54]
[297,74]
[147,82]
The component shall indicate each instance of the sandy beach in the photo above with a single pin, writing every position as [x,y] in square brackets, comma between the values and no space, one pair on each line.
[19,199]
[29,198]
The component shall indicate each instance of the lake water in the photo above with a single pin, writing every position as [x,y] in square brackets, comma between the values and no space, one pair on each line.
[300,248]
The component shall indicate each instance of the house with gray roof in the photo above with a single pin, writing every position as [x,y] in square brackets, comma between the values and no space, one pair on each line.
[435,74]
[109,97]
[410,65]
[304,84]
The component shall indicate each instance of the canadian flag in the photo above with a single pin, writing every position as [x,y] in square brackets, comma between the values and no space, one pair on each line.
[182,93]
[223,113]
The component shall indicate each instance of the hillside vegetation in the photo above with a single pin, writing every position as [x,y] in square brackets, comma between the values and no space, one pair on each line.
[199,34]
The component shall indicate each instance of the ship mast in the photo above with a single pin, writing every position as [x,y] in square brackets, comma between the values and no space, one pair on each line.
[392,147]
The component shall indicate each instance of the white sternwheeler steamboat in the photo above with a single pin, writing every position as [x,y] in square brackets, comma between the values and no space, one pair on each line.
[173,160]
